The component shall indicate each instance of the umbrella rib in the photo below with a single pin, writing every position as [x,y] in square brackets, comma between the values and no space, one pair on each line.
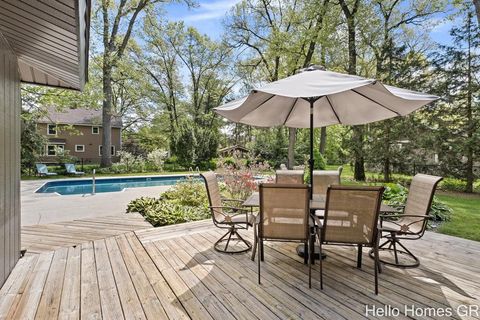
[331,107]
[291,110]
[381,105]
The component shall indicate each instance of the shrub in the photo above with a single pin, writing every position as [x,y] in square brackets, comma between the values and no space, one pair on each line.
[184,202]
[395,195]
[319,161]
[156,158]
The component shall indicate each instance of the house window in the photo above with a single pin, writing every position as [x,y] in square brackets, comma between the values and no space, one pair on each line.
[52,129]
[55,149]
[95,130]
[79,148]
[100,150]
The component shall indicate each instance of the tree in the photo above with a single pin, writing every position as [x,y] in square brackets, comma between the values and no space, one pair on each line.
[394,63]
[350,13]
[187,102]
[476,3]
[118,20]
[459,70]
[276,39]
[33,143]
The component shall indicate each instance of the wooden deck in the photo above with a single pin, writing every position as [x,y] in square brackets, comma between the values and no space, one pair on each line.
[49,237]
[173,273]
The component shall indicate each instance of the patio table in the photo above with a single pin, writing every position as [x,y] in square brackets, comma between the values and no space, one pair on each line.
[317,203]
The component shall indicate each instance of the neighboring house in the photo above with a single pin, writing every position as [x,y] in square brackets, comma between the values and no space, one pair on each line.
[77,133]
[230,150]
[45,43]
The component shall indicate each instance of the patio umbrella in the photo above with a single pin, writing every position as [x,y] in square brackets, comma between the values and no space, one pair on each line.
[317,98]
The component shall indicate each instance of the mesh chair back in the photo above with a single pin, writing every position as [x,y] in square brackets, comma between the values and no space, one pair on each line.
[289,176]
[351,214]
[324,178]
[213,191]
[284,211]
[419,200]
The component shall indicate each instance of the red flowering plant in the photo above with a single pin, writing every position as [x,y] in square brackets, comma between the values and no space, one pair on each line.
[240,176]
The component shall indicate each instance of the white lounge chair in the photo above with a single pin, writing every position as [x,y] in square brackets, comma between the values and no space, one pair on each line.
[42,170]
[70,167]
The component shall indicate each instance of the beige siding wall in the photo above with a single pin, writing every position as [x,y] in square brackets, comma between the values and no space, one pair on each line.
[9,161]
[81,135]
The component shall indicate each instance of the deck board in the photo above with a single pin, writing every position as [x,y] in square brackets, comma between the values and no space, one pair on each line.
[38,239]
[124,272]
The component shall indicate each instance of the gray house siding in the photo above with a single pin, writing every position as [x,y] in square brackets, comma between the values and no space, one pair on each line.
[10,105]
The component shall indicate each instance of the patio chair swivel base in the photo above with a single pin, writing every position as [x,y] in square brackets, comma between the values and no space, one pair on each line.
[392,242]
[224,243]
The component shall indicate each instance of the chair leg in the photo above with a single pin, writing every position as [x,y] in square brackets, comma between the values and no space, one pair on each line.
[261,249]
[307,253]
[359,256]
[377,265]
[310,258]
[259,258]
[232,231]
[255,242]
[394,243]
[320,260]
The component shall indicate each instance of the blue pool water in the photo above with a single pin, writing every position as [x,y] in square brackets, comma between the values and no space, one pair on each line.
[84,186]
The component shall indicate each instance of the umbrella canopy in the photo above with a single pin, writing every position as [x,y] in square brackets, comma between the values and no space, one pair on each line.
[337,99]
[318,98]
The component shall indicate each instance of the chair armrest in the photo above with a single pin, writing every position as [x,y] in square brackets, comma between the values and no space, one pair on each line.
[404,215]
[229,208]
[232,200]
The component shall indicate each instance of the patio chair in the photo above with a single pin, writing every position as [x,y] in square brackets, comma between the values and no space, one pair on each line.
[42,170]
[284,216]
[70,167]
[412,223]
[283,166]
[227,217]
[289,176]
[351,218]
[324,178]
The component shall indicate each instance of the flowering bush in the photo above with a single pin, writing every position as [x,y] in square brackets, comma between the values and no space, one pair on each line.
[239,175]
[156,158]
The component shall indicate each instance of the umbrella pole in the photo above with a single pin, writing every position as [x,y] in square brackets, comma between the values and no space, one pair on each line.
[311,161]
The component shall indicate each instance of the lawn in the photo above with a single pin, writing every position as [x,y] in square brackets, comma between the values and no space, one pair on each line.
[465,222]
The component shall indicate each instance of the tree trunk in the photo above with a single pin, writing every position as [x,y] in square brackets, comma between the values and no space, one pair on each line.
[470,122]
[357,139]
[323,140]
[291,147]
[359,166]
[477,9]
[107,117]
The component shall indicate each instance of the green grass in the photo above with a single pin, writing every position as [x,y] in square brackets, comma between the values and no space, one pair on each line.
[465,222]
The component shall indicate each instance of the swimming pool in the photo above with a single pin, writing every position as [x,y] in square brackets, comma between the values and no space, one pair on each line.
[84,186]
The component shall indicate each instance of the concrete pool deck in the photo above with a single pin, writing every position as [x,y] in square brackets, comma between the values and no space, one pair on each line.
[42,208]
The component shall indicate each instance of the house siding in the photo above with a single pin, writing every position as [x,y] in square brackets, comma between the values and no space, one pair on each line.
[10,105]
[80,135]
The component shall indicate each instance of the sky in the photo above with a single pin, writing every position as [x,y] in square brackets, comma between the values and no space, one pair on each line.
[208,16]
